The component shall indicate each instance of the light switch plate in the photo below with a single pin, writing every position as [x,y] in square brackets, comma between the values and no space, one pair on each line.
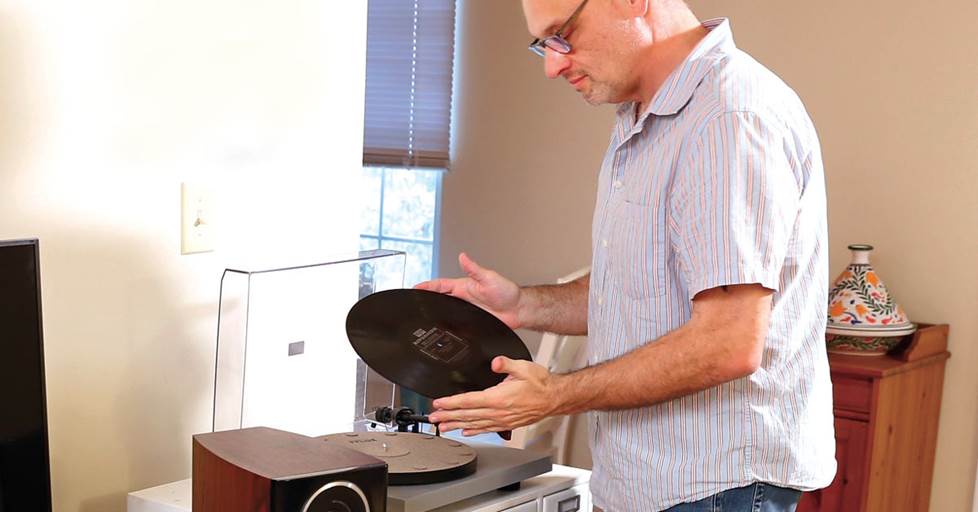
[196,218]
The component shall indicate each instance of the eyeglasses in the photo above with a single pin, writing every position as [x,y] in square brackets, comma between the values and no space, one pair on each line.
[556,42]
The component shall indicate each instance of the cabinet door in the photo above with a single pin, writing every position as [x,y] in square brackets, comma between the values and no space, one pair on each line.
[844,494]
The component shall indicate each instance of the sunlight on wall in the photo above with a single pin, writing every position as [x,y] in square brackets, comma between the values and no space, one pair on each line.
[105,108]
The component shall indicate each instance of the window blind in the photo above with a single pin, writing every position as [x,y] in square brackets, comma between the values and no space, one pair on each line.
[407,116]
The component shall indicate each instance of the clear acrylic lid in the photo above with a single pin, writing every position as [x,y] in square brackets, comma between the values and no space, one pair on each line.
[283,358]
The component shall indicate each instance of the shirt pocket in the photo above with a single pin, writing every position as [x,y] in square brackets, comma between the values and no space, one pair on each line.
[638,251]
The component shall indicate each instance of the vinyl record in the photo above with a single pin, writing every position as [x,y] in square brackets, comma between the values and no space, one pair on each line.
[434,344]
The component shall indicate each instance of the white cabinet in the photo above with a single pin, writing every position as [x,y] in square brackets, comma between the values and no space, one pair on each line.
[560,490]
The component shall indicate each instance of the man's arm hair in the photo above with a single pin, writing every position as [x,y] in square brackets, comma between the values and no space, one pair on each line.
[556,308]
[723,341]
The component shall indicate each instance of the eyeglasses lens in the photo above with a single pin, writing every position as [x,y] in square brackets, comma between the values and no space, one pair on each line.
[557,44]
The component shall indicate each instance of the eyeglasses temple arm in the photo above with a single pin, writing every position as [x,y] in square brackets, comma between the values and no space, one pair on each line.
[571,19]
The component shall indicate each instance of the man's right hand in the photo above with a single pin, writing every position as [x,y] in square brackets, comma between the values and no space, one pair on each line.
[484,288]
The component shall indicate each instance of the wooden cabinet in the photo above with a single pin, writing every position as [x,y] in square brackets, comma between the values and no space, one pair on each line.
[886,415]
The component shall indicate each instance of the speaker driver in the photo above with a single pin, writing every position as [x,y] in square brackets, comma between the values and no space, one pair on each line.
[337,497]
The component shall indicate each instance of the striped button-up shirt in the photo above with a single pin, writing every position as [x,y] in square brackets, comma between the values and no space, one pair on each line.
[718,182]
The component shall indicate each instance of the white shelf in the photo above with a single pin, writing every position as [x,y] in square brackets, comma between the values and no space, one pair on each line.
[176,496]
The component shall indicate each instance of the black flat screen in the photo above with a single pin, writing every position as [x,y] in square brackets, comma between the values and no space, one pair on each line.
[25,482]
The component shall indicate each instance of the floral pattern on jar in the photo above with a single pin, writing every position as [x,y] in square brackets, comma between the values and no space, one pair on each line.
[860,298]
[863,317]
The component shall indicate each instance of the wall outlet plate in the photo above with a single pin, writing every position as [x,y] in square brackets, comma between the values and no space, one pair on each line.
[196,218]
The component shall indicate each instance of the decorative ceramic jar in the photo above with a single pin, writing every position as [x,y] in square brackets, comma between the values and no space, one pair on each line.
[863,318]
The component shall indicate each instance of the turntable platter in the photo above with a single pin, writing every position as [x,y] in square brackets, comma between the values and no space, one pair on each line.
[412,459]
[434,344]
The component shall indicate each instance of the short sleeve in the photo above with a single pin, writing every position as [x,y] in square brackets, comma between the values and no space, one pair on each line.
[735,205]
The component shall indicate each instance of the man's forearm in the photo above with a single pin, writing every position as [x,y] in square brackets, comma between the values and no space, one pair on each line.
[560,308]
[687,360]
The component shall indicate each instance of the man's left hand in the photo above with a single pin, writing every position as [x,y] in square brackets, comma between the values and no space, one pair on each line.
[526,396]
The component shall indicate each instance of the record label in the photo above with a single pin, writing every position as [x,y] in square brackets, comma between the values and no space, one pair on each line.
[442,345]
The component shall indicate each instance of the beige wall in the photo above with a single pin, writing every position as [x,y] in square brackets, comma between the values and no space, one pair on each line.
[892,90]
[105,107]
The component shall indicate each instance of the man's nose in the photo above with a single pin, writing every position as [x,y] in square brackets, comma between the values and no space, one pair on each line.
[554,63]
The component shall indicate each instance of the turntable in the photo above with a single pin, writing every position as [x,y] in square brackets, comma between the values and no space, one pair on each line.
[435,345]
[292,346]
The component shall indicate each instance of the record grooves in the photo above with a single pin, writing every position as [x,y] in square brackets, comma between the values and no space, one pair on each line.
[434,344]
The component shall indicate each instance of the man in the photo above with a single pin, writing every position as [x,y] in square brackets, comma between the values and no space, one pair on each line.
[705,306]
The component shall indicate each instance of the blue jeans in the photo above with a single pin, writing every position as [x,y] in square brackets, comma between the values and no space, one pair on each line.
[759,497]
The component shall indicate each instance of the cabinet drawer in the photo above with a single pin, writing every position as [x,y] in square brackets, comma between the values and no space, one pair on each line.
[852,394]
[530,506]
[568,500]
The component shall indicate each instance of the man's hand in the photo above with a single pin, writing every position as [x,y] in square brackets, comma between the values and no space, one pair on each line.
[527,395]
[484,288]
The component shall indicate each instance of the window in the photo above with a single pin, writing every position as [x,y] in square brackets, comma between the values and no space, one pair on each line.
[401,212]
[407,119]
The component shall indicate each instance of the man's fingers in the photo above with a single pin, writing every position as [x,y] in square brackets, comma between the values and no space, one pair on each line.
[500,364]
[469,425]
[453,287]
[437,285]
[426,285]
[471,268]
[516,368]
[448,416]
[503,364]
[471,400]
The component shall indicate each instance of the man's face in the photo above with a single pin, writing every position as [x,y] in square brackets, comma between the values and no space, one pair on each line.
[596,65]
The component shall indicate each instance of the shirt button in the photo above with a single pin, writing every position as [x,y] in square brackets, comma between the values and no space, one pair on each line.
[600,301]
[617,184]
[604,243]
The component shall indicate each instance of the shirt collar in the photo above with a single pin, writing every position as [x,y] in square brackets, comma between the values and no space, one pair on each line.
[678,88]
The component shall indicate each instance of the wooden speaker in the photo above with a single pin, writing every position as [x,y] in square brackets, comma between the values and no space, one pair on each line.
[266,470]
